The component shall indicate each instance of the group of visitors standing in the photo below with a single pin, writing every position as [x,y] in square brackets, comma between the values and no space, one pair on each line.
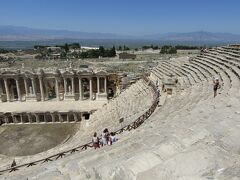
[105,139]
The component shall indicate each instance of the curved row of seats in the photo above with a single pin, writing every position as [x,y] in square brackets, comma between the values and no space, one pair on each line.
[195,71]
[192,136]
[130,145]
[231,71]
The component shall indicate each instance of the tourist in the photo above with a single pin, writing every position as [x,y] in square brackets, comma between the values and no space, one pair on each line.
[113,137]
[93,97]
[158,93]
[95,141]
[13,163]
[163,88]
[109,141]
[157,83]
[158,97]
[105,136]
[216,86]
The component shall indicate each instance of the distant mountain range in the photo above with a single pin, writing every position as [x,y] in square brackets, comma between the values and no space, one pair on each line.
[200,36]
[15,33]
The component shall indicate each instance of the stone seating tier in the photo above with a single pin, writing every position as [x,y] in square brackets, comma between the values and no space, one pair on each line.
[192,136]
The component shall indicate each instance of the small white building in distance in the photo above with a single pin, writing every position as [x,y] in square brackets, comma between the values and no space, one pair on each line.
[88,48]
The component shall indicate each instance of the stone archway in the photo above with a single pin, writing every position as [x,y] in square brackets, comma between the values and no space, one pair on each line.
[13,89]
[50,87]
[86,88]
[102,85]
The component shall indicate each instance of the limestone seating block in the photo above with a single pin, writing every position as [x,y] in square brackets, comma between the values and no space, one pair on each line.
[101,96]
[142,162]
[69,97]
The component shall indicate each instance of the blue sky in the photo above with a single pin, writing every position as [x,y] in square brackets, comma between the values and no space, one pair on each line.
[133,17]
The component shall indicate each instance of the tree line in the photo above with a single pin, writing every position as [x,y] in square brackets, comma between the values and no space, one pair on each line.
[4,51]
[66,46]
[96,53]
[151,47]
[168,50]
[123,48]
[181,47]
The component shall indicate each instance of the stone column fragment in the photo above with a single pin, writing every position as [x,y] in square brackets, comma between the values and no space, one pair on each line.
[18,90]
[98,85]
[56,88]
[105,85]
[80,89]
[41,89]
[6,89]
[90,88]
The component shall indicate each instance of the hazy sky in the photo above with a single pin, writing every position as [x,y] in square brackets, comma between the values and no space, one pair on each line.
[134,17]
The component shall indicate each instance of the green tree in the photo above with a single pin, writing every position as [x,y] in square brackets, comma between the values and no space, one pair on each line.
[168,50]
[113,51]
[75,45]
[66,47]
[3,51]
[125,48]
[172,50]
[101,51]
[83,55]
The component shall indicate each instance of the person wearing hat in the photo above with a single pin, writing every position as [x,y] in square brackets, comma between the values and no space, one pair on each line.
[215,86]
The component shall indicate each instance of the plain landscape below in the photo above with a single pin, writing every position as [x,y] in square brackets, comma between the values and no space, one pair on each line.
[132,43]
